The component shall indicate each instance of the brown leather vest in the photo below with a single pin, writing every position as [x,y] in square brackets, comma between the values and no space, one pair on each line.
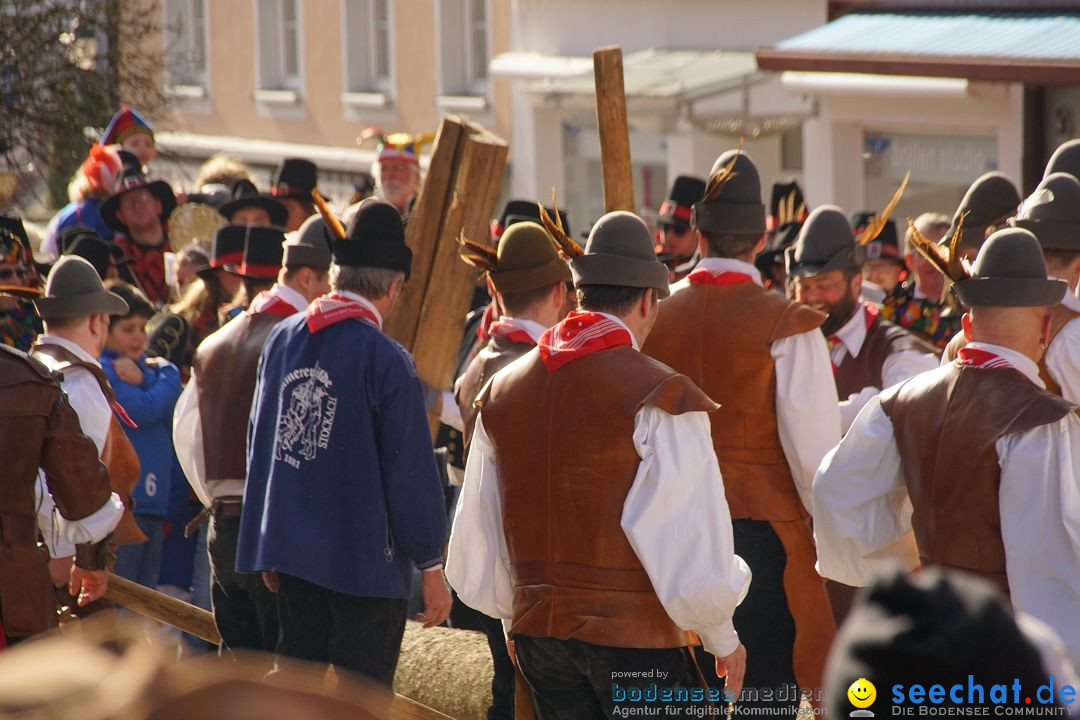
[947,423]
[118,454]
[720,337]
[566,459]
[883,338]
[1060,316]
[225,366]
[493,357]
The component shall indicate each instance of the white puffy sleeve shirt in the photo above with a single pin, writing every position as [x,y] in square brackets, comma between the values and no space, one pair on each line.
[675,517]
[862,520]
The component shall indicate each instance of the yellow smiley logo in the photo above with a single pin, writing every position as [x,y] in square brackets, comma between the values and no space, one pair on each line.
[862,693]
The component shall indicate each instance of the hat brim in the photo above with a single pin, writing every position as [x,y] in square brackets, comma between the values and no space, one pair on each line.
[158,188]
[279,214]
[81,305]
[20,292]
[846,259]
[553,271]
[1010,292]
[622,271]
[1052,235]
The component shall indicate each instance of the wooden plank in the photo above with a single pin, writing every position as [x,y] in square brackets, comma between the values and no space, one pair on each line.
[163,608]
[403,708]
[475,190]
[613,128]
[424,230]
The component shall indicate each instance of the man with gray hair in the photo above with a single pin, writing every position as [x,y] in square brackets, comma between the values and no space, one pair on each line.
[916,304]
[342,495]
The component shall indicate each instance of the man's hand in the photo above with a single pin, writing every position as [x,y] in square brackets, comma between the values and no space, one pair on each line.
[270,580]
[60,570]
[437,600]
[511,650]
[733,669]
[88,585]
[128,371]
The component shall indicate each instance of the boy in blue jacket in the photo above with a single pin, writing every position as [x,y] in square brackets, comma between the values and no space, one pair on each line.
[147,389]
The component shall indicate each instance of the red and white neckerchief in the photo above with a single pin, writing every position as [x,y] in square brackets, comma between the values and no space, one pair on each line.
[512,330]
[270,302]
[487,319]
[122,414]
[580,334]
[333,308]
[979,358]
[871,313]
[723,278]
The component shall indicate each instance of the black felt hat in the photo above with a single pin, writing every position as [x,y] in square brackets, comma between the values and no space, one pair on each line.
[1065,159]
[931,628]
[263,250]
[620,252]
[826,243]
[228,247]
[376,239]
[131,179]
[311,246]
[1010,271]
[295,178]
[1053,213]
[86,243]
[516,211]
[989,202]
[245,194]
[677,208]
[736,207]
[886,245]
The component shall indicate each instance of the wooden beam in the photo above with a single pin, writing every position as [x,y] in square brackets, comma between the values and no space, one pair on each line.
[983,69]
[163,608]
[614,131]
[423,231]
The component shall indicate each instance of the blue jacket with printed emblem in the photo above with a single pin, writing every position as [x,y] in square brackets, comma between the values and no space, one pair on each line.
[342,487]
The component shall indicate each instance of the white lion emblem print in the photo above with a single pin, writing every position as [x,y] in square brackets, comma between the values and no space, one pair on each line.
[307,415]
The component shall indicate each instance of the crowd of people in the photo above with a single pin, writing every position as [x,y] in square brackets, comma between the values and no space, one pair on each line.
[672,454]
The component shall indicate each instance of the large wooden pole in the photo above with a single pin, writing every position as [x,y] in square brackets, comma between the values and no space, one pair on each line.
[163,608]
[614,132]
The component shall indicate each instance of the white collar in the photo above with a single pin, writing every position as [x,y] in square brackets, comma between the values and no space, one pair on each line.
[531,327]
[1070,300]
[1017,359]
[70,346]
[717,264]
[293,297]
[365,302]
[853,333]
[624,326]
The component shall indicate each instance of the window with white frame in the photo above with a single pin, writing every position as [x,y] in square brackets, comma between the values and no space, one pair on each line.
[464,47]
[367,40]
[185,27]
[279,48]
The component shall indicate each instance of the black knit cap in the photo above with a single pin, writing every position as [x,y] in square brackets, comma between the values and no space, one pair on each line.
[1065,159]
[677,208]
[376,239]
[737,208]
[930,628]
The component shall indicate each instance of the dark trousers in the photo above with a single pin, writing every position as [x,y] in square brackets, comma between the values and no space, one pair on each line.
[503,680]
[245,612]
[360,634]
[575,680]
[764,624]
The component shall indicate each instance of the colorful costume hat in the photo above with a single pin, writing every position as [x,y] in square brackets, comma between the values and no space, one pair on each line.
[124,124]
[396,146]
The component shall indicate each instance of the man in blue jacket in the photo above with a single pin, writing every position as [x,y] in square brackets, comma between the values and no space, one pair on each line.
[342,496]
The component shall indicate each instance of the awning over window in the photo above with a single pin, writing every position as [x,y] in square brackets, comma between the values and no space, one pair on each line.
[1027,47]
